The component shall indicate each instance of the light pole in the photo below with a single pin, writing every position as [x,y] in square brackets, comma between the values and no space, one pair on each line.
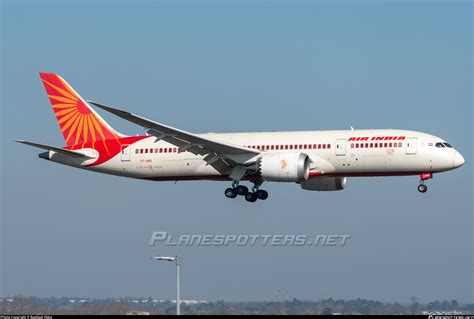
[176,260]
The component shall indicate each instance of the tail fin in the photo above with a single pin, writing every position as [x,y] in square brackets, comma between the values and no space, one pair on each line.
[79,123]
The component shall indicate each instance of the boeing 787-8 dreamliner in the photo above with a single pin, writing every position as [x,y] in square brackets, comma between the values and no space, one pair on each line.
[317,160]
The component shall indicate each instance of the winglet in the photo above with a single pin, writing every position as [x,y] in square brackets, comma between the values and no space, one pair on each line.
[112,110]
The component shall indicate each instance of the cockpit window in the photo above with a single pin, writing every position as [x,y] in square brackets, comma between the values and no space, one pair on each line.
[439,144]
[447,145]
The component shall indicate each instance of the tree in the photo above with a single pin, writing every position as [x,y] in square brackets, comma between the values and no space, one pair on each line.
[454,304]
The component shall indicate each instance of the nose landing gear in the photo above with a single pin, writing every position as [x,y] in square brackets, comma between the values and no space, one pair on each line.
[422,188]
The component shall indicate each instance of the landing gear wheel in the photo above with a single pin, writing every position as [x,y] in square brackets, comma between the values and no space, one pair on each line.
[242,190]
[261,194]
[230,193]
[251,197]
[422,188]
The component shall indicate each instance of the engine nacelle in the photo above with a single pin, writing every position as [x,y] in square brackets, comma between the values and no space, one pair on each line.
[284,167]
[324,184]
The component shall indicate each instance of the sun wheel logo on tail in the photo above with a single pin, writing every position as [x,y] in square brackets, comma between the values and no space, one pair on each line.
[78,122]
[284,167]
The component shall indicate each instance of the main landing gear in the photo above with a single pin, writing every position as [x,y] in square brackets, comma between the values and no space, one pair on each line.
[242,190]
[422,188]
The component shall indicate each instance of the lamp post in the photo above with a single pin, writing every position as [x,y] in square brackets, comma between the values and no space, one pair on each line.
[176,260]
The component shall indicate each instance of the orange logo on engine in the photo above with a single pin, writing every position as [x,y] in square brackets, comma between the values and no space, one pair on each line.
[283,165]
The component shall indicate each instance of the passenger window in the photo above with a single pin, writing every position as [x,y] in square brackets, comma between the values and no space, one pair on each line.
[324,146]
[400,144]
[329,146]
[137,151]
[371,145]
[389,144]
[352,145]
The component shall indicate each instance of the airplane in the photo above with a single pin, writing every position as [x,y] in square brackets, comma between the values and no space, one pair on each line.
[316,160]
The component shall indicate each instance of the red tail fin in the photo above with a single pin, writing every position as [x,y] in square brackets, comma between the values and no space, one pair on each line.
[79,123]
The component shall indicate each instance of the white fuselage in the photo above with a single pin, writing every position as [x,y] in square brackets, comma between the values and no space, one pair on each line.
[332,153]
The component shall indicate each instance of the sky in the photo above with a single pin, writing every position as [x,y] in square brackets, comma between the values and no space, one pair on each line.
[229,66]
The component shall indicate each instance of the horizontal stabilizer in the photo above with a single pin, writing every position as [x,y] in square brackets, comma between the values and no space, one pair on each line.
[56,149]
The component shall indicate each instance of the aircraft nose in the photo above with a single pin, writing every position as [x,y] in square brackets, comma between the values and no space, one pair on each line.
[458,160]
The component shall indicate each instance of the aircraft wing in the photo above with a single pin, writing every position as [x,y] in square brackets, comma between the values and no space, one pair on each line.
[215,150]
[56,149]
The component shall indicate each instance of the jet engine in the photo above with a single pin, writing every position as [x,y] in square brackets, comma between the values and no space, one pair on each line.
[284,167]
[324,184]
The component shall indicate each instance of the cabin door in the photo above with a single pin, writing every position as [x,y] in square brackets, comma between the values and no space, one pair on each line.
[340,147]
[125,154]
[411,145]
